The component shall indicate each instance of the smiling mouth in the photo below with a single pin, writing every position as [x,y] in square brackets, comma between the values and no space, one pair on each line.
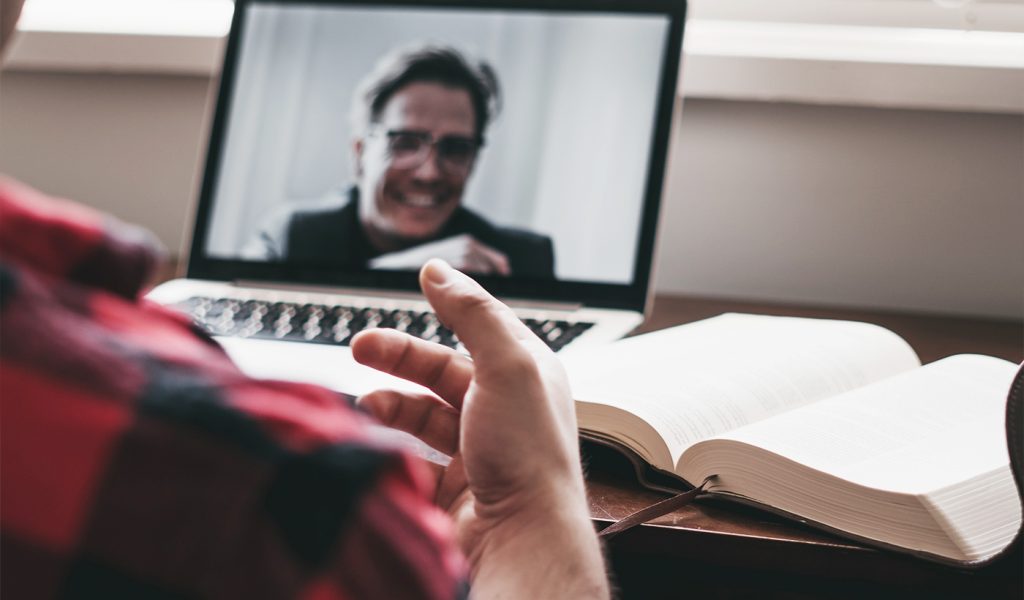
[421,200]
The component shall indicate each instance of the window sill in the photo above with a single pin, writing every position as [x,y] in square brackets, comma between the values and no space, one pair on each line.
[933,69]
[775,62]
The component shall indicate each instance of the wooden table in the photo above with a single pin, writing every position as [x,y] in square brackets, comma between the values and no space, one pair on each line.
[721,550]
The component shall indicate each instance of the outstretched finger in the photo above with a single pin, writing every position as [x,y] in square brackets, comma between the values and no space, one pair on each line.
[489,329]
[431,420]
[441,370]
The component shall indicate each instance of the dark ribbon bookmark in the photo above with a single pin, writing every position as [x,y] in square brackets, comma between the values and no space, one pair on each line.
[653,511]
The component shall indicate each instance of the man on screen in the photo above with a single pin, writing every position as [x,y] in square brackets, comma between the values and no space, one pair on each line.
[419,119]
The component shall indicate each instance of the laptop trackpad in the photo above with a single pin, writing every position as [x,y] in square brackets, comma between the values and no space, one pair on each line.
[330,366]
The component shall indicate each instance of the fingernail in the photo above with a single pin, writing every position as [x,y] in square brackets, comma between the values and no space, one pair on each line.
[437,271]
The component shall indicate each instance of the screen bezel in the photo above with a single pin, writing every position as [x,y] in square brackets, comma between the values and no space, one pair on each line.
[630,296]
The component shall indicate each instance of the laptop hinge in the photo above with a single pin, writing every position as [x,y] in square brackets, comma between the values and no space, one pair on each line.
[542,305]
[395,295]
[328,290]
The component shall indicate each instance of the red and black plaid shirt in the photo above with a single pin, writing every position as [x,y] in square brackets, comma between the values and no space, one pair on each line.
[137,461]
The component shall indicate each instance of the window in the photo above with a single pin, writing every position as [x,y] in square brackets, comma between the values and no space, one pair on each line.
[200,18]
[932,54]
[964,15]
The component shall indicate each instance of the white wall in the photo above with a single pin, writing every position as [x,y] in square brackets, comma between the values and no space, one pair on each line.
[901,209]
[847,206]
[128,145]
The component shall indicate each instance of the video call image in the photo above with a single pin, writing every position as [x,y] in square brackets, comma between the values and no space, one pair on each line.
[508,143]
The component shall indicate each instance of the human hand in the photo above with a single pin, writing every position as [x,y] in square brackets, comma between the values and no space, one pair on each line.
[514,487]
[462,251]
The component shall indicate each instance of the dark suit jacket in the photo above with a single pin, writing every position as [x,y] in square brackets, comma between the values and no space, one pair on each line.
[330,233]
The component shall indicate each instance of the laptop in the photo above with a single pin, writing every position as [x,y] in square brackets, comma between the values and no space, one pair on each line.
[335,168]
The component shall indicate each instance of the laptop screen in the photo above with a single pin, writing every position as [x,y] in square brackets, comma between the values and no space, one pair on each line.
[523,143]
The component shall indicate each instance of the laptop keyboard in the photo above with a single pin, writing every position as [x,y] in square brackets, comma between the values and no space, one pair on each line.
[333,324]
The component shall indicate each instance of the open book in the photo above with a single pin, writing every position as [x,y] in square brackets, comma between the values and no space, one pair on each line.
[833,423]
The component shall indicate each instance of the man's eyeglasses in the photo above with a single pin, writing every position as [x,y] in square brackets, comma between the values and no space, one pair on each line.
[409,149]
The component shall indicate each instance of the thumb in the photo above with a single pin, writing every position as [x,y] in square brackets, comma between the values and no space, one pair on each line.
[487,328]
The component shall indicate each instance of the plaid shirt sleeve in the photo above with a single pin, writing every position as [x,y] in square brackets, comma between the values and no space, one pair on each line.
[137,461]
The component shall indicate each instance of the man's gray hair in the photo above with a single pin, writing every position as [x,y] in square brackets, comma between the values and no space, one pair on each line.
[430,63]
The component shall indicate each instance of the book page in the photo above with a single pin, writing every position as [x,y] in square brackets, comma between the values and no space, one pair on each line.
[918,461]
[699,380]
[915,433]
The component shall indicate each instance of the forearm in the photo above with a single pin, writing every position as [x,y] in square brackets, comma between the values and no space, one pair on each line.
[553,553]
